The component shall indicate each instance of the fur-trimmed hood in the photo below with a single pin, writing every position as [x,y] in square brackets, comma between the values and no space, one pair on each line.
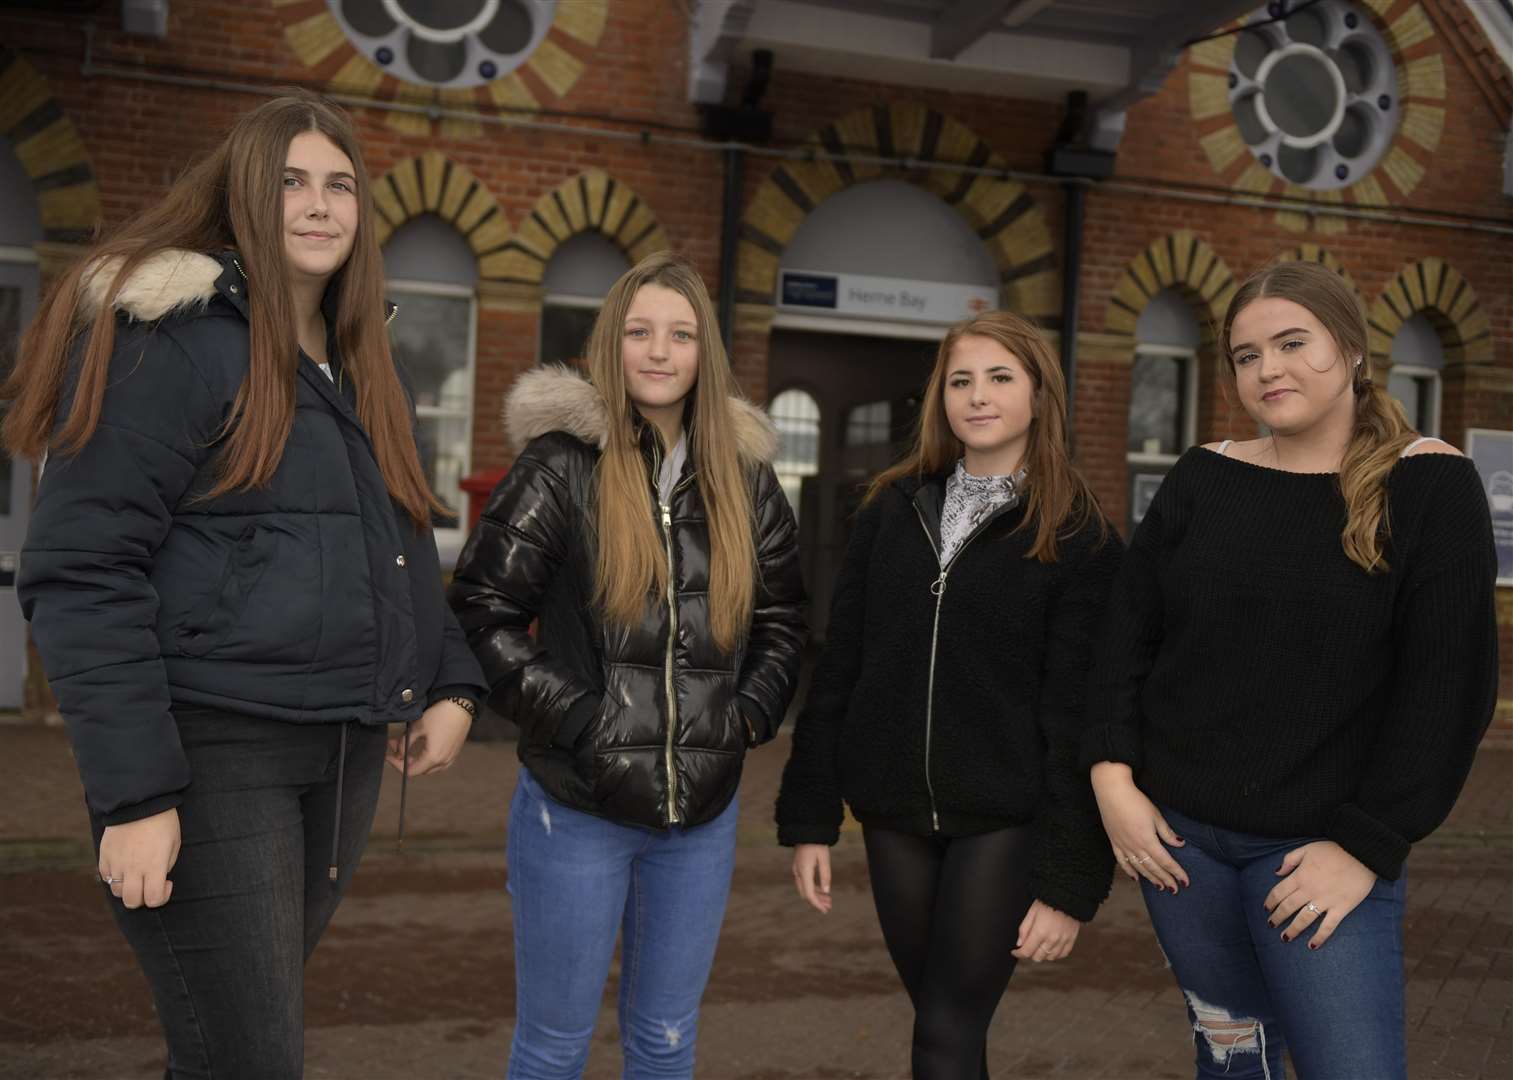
[555,398]
[166,282]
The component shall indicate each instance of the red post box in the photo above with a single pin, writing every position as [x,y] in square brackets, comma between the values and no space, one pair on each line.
[479,486]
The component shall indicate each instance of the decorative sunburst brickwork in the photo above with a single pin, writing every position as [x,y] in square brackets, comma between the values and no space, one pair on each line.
[316,38]
[1180,261]
[591,201]
[1446,298]
[49,148]
[1420,69]
[1002,212]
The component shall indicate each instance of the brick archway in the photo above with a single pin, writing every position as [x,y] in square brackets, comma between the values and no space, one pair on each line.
[51,151]
[1436,289]
[434,184]
[1315,254]
[1181,261]
[592,201]
[999,210]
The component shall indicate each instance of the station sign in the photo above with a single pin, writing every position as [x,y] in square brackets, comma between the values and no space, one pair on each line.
[859,296]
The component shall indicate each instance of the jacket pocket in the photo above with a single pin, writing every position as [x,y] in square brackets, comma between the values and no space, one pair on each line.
[207,626]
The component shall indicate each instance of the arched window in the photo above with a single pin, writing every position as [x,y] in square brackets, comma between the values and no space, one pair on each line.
[432,277]
[1163,395]
[577,277]
[1418,355]
[20,280]
[797,416]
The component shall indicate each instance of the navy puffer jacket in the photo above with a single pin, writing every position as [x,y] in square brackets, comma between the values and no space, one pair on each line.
[315,599]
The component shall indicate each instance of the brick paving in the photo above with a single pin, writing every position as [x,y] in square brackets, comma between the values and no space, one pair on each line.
[413,981]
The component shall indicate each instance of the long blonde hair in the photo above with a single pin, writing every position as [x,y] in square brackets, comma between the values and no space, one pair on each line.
[1059,501]
[632,559]
[1381,430]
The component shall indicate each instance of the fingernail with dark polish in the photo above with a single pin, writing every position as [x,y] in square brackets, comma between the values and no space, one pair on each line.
[1311,945]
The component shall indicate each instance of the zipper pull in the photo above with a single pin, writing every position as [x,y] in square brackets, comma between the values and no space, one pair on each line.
[938,586]
[666,516]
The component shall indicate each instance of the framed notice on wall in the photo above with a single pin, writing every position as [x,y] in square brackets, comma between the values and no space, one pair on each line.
[1492,451]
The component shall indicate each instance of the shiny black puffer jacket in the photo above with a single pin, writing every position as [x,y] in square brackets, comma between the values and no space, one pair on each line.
[648,724]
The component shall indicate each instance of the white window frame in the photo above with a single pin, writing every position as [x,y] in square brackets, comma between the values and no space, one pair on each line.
[564,300]
[1189,435]
[449,541]
[1417,371]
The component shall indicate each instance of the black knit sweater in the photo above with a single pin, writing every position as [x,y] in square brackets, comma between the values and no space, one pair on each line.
[1257,679]
[1003,726]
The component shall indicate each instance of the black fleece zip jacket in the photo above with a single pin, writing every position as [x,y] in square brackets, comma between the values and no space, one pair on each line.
[951,703]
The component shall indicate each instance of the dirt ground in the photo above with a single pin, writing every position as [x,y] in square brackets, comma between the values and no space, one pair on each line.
[414,978]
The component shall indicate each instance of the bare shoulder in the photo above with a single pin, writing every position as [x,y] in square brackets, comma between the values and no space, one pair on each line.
[1432,446]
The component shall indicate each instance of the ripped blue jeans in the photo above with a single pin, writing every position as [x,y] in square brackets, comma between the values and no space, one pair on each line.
[1338,1011]
[578,882]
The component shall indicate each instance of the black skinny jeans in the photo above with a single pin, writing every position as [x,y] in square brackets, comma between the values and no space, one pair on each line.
[950,911]
[252,892]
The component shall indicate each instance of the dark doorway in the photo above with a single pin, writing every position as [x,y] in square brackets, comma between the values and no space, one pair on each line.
[868,393]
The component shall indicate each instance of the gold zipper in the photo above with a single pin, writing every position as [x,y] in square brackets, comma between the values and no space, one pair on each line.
[672,695]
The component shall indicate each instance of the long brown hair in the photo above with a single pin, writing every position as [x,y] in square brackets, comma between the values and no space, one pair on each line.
[230,199]
[1381,430]
[1059,501]
[632,561]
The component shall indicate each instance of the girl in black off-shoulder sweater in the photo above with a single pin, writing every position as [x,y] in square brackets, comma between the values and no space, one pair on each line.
[947,707]
[1298,662]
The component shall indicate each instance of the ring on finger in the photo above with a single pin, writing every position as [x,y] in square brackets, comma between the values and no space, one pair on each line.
[1141,862]
[1311,906]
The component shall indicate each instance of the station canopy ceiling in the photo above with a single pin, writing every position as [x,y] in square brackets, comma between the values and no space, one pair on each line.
[1116,50]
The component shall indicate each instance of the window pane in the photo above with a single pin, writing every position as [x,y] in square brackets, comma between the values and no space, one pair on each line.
[10,337]
[1143,485]
[444,456]
[1416,394]
[797,418]
[1155,407]
[870,424]
[430,337]
[564,333]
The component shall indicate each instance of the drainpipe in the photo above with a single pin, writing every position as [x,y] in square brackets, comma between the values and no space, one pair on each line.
[1073,158]
[735,125]
[730,234]
[1071,286]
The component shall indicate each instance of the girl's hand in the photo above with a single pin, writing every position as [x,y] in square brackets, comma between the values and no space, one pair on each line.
[1046,934]
[1136,829]
[811,873]
[135,859]
[1321,882]
[435,740]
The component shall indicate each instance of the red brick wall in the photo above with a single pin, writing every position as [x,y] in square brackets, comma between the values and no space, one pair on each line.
[141,135]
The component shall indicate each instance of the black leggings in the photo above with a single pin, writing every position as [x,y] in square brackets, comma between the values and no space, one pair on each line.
[950,911]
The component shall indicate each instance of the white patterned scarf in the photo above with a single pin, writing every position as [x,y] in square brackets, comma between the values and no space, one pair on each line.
[971,499]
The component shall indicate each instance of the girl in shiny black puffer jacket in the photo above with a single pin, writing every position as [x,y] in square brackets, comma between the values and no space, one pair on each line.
[645,533]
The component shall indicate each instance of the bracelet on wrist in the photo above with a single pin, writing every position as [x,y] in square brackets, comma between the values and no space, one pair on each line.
[467,705]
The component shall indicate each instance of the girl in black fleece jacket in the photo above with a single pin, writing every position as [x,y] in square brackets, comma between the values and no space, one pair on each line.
[947,707]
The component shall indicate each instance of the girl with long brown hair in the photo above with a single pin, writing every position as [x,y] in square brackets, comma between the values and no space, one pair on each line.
[230,573]
[1299,661]
[946,708]
[643,530]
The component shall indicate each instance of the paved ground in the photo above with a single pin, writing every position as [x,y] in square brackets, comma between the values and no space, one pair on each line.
[413,981]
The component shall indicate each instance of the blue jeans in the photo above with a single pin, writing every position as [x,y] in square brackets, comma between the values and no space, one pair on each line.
[1338,1010]
[577,881]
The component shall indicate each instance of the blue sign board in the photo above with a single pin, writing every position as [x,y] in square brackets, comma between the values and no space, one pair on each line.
[810,290]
